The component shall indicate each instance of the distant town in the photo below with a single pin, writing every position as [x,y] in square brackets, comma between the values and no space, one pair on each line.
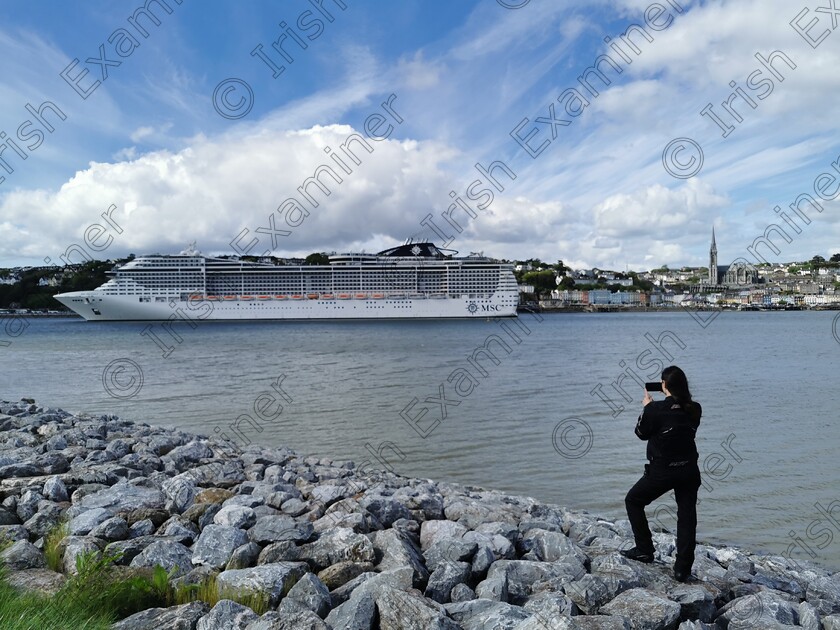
[740,285]
[765,286]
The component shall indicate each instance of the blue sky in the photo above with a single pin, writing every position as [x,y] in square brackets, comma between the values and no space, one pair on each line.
[461,77]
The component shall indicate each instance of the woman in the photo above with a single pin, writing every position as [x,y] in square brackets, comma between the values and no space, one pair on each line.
[669,427]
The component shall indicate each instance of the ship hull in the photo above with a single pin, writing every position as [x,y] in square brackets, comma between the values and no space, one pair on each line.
[94,306]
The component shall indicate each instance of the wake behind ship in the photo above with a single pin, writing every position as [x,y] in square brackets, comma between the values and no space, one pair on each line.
[411,281]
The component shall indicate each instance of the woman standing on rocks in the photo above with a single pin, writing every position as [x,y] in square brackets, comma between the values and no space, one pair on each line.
[669,427]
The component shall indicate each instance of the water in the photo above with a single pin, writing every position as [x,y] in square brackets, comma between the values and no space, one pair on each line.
[766,382]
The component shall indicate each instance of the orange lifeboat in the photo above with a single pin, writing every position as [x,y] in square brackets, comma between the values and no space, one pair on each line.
[230,297]
[361,296]
[377,296]
[297,297]
[312,296]
[344,296]
[280,297]
[327,296]
[263,297]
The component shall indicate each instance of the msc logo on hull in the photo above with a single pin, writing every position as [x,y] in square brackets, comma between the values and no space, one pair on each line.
[474,308]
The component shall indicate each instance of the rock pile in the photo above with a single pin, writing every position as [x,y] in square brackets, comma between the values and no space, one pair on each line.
[329,546]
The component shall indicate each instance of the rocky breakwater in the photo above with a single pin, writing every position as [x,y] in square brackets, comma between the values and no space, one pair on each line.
[328,546]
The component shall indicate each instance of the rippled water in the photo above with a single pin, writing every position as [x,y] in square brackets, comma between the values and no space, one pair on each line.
[767,383]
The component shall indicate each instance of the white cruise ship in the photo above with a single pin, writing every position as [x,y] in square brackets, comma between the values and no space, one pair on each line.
[414,280]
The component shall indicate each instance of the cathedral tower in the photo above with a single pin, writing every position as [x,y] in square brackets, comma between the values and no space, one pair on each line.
[713,265]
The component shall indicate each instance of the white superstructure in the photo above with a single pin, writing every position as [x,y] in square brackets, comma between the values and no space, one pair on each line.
[415,280]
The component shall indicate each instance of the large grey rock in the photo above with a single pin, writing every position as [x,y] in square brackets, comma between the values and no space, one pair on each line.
[180,494]
[385,509]
[338,545]
[124,497]
[444,578]
[184,617]
[394,550]
[646,609]
[809,617]
[216,544]
[172,556]
[288,618]
[358,613]
[695,602]
[227,615]
[42,581]
[269,529]
[342,572]
[450,551]
[401,610]
[114,528]
[520,576]
[74,547]
[82,524]
[549,546]
[272,581]
[311,593]
[22,554]
[760,610]
[478,614]
[295,616]
[244,556]
[55,490]
[237,516]
[433,531]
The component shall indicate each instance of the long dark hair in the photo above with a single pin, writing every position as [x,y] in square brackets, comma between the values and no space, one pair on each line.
[677,384]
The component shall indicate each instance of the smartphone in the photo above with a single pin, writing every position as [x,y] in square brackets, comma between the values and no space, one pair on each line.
[653,387]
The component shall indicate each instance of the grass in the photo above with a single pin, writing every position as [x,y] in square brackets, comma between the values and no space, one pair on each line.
[30,611]
[208,591]
[52,542]
[101,593]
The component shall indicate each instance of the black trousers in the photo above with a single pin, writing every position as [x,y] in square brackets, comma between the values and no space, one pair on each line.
[657,480]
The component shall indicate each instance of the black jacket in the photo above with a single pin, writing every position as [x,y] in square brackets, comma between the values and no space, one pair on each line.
[669,431]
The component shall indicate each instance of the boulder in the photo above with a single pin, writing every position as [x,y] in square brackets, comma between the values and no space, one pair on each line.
[184,617]
[216,544]
[172,556]
[269,529]
[22,554]
[227,615]
[272,581]
[646,609]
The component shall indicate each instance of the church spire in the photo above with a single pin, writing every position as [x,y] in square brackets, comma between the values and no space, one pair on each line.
[713,266]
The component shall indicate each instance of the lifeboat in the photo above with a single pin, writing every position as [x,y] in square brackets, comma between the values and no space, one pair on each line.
[417,296]
[344,296]
[327,296]
[213,298]
[377,296]
[230,297]
[398,296]
[247,297]
[297,297]
[361,296]
[280,297]
[312,296]
[263,297]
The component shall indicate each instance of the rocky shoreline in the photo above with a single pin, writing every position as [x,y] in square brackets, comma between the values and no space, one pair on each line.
[332,547]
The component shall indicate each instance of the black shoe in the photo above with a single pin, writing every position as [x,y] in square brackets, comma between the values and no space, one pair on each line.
[636,554]
[681,576]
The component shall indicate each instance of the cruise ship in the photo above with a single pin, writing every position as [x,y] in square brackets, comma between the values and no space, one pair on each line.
[411,281]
